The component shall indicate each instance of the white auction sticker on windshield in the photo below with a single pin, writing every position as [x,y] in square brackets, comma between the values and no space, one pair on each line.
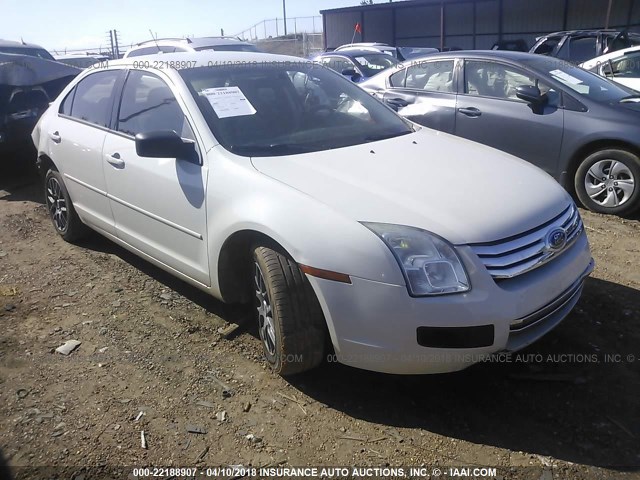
[228,102]
[560,75]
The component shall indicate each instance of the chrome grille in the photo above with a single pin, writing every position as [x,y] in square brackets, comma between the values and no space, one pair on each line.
[522,253]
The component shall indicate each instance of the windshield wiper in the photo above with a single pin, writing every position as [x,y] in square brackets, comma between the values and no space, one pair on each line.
[270,149]
[384,136]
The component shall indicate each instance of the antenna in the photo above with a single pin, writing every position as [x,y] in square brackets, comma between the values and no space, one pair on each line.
[155,39]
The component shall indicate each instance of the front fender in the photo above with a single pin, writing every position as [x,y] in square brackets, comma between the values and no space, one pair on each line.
[241,198]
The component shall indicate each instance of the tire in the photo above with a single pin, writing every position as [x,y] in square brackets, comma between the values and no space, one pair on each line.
[293,335]
[63,216]
[608,181]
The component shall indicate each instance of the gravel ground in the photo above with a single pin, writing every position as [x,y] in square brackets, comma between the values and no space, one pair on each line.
[153,359]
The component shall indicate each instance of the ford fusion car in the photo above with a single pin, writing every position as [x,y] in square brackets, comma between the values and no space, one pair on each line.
[579,127]
[275,180]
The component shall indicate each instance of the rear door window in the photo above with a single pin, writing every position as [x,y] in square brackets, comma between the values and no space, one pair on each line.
[93,98]
[431,76]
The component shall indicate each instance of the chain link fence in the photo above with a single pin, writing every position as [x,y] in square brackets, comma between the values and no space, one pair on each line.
[302,37]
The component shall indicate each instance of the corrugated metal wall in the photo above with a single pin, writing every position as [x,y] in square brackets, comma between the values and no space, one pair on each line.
[379,25]
[635,16]
[340,28]
[418,23]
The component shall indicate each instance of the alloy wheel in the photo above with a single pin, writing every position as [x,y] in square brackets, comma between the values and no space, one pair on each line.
[266,324]
[57,205]
[609,183]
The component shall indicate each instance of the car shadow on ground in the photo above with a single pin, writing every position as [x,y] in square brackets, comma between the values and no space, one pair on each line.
[569,396]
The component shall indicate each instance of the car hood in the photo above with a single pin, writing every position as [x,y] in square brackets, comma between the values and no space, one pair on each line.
[460,190]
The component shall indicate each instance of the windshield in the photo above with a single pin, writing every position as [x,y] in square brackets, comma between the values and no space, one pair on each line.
[30,52]
[284,108]
[584,83]
[373,63]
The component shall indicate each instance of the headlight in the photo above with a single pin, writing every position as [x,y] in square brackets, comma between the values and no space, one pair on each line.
[430,265]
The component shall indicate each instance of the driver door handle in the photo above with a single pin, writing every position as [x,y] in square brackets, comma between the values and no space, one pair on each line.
[472,112]
[115,160]
[55,137]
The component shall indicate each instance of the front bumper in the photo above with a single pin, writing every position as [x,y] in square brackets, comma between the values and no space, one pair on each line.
[379,327]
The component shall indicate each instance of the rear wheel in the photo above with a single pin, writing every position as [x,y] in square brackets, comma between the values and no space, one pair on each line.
[63,216]
[608,181]
[290,320]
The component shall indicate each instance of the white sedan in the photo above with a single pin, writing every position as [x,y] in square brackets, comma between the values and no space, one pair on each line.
[391,247]
[622,66]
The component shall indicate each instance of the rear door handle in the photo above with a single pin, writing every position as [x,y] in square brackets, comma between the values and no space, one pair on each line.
[115,160]
[55,137]
[470,112]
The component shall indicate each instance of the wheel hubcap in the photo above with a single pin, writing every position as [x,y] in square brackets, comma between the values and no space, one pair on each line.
[609,183]
[265,316]
[57,205]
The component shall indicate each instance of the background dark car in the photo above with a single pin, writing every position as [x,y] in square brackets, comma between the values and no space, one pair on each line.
[582,129]
[22,48]
[357,65]
[578,46]
[28,82]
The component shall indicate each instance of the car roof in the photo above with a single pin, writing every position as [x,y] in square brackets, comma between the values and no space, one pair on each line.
[355,52]
[489,54]
[586,32]
[13,44]
[608,56]
[196,42]
[184,60]
[68,56]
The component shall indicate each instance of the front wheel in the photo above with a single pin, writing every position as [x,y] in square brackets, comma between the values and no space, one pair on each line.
[61,211]
[607,182]
[290,320]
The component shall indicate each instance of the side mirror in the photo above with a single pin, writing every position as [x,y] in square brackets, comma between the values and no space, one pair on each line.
[351,72]
[529,94]
[166,144]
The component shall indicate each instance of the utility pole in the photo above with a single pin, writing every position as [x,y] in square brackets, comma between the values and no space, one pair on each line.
[116,43]
[284,13]
[112,51]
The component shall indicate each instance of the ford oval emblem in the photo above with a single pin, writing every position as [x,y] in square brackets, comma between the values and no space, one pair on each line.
[556,239]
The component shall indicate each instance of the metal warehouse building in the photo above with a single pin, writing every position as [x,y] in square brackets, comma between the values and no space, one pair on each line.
[472,24]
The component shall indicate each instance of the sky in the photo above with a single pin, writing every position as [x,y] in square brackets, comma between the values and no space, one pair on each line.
[76,24]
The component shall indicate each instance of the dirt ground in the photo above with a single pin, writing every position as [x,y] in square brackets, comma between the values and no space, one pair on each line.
[567,408]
